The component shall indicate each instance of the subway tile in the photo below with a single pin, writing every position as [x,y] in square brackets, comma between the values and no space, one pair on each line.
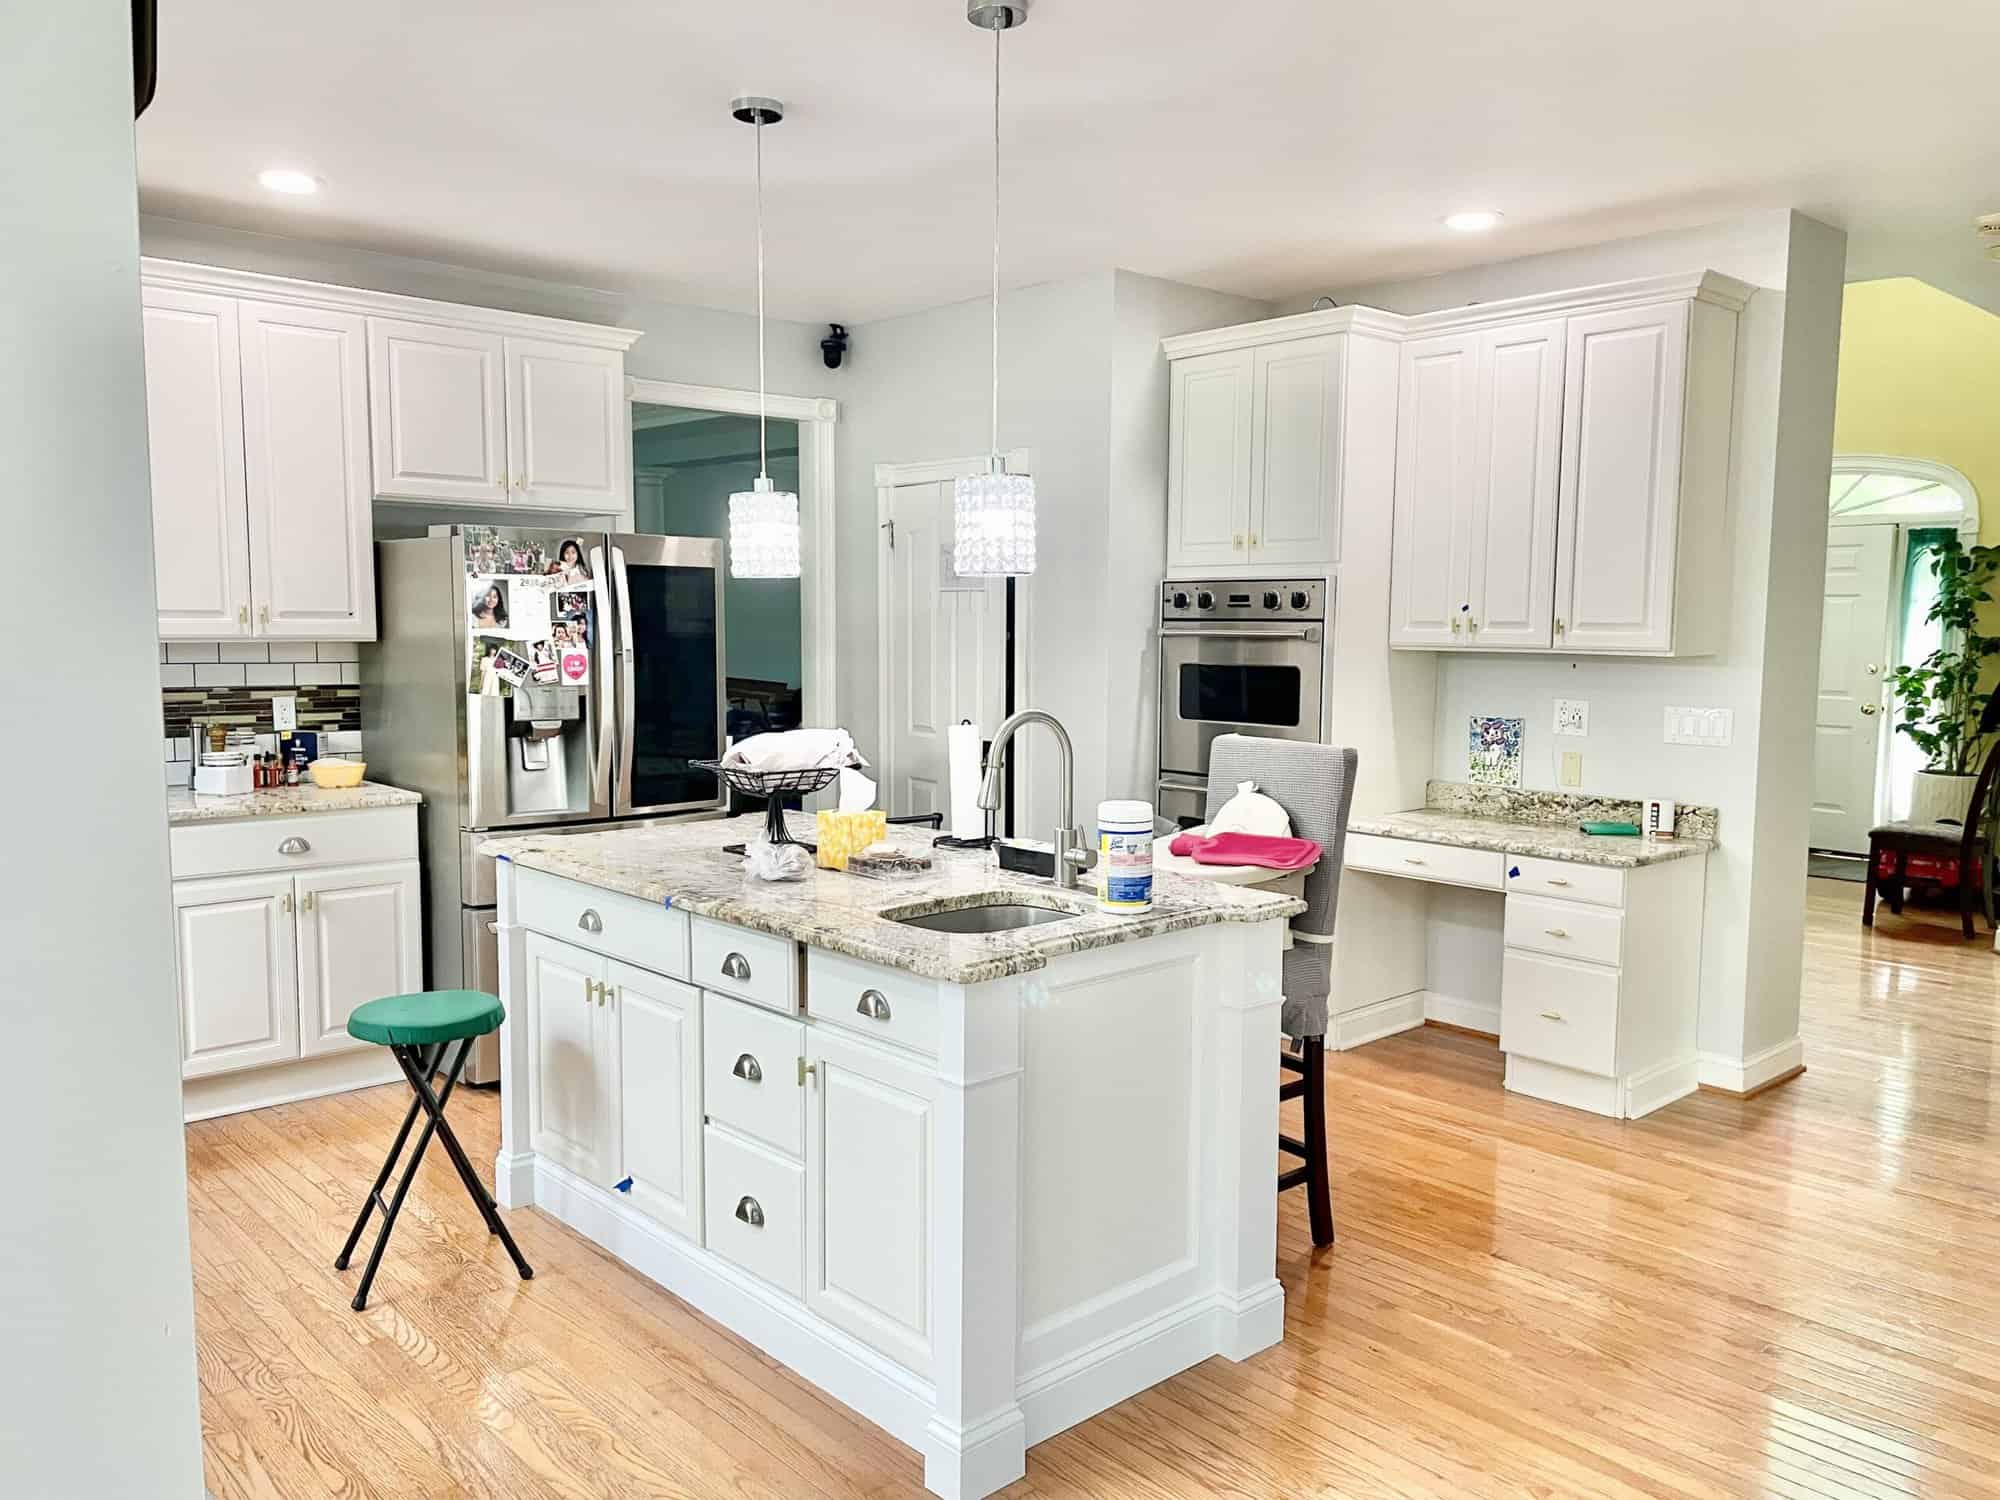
[176,747]
[341,741]
[326,674]
[193,651]
[176,675]
[245,651]
[176,772]
[230,675]
[350,673]
[163,650]
[339,651]
[268,674]
[293,651]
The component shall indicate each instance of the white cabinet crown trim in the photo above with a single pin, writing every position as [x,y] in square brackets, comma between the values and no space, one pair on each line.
[255,285]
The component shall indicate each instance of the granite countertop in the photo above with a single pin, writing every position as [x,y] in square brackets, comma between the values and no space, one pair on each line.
[1537,839]
[183,806]
[682,865]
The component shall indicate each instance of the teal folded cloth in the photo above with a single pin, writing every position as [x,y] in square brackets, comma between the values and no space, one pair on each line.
[1620,830]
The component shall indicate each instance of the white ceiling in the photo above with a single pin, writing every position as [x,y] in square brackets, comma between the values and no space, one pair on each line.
[1267,147]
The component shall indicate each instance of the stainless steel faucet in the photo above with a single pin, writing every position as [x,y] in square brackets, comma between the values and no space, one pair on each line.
[1070,853]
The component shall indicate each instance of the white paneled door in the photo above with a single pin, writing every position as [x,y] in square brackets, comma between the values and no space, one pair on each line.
[1208,461]
[572,1071]
[438,414]
[944,644]
[358,941]
[1853,656]
[1435,475]
[1517,444]
[1295,455]
[659,1025]
[236,970]
[567,447]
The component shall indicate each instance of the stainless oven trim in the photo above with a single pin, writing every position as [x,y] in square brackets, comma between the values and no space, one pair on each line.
[1306,643]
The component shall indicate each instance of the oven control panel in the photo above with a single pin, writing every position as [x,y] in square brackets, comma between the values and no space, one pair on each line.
[1243,599]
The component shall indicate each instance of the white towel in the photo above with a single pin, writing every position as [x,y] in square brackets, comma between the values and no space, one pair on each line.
[795,750]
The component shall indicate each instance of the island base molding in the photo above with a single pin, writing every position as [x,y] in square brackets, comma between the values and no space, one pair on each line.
[959,1463]
[1349,1029]
[206,1097]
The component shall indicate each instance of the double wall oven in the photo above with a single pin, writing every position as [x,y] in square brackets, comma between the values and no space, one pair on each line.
[1237,656]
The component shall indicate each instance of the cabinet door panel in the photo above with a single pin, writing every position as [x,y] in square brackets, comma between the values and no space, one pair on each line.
[659,1067]
[305,439]
[236,971]
[359,940]
[869,1164]
[1623,393]
[566,427]
[1519,446]
[438,422]
[1295,452]
[1435,430]
[194,430]
[1208,459]
[570,1057]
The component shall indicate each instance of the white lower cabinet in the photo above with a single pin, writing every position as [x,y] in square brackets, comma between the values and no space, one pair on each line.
[573,1095]
[659,1090]
[756,1202]
[236,972]
[358,941]
[870,1162]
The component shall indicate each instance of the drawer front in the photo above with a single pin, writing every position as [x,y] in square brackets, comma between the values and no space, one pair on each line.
[603,921]
[1420,861]
[368,836]
[756,1210]
[879,1003]
[1566,881]
[1560,1012]
[752,966]
[1569,929]
[750,1072]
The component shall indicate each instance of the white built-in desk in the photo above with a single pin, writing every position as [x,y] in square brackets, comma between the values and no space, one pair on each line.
[1582,952]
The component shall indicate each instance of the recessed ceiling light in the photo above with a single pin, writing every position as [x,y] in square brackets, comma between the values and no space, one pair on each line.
[1472,220]
[288,180]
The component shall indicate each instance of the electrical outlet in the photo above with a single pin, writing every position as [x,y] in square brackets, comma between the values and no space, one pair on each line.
[284,712]
[1572,716]
[1699,726]
[1572,768]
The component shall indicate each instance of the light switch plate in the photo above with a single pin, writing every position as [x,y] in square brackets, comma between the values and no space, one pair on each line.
[284,712]
[1572,716]
[1572,768]
[1699,726]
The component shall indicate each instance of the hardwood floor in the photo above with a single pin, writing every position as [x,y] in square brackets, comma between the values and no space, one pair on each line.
[1793,1295]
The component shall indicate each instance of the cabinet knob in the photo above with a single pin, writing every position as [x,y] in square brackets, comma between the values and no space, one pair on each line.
[748,1069]
[1236,542]
[1559,627]
[1552,1015]
[736,966]
[294,845]
[750,1211]
[1253,538]
[306,902]
[242,614]
[263,614]
[590,921]
[287,903]
[874,1005]
[807,1070]
[1455,624]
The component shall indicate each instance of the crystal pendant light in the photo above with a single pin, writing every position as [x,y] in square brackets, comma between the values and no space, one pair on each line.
[764,520]
[995,511]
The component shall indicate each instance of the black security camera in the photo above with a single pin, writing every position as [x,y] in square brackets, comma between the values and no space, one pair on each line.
[833,346]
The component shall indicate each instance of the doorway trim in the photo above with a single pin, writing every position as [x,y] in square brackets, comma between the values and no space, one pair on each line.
[889,477]
[1965,515]
[816,417]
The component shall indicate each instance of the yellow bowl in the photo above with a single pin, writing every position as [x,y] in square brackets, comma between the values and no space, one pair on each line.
[337,772]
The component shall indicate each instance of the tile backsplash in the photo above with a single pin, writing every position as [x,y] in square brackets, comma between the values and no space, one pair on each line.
[234,681]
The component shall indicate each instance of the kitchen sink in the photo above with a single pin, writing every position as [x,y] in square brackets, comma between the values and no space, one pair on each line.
[1000,916]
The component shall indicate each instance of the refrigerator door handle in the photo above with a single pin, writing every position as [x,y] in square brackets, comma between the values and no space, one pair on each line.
[600,773]
[628,706]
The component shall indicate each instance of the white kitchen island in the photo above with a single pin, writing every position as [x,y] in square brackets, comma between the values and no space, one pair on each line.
[976,1186]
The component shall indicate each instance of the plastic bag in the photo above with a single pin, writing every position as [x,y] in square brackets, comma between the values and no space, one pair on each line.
[767,861]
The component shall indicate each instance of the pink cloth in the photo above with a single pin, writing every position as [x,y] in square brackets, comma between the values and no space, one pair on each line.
[1246,849]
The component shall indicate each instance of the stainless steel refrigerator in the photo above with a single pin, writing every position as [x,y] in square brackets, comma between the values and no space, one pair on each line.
[504,727]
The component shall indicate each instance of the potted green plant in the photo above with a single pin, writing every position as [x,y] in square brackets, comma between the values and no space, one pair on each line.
[1939,701]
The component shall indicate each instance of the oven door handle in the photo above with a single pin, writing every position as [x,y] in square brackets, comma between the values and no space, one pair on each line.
[1238,633]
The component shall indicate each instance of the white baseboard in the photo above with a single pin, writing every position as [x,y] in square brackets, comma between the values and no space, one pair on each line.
[1740,1077]
[514,1179]
[1661,1086]
[975,1461]
[1469,1015]
[1542,1080]
[1372,1022]
[287,1082]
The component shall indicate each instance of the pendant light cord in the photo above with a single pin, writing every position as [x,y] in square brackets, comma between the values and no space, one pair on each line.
[995,430]
[763,459]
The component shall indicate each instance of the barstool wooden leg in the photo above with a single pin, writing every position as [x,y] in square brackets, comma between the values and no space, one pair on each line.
[1319,1193]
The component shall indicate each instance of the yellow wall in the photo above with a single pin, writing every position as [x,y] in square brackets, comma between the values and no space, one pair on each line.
[1920,378]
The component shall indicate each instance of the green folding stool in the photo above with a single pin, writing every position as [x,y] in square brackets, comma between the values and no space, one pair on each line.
[418,1030]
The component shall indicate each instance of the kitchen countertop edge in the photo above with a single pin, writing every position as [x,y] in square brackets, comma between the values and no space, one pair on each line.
[1531,840]
[186,808]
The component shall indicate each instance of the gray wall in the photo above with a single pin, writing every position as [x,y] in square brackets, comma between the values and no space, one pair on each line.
[97,1376]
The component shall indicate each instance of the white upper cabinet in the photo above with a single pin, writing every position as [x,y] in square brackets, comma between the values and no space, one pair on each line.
[194,419]
[568,445]
[439,418]
[1437,413]
[1208,459]
[305,441]
[1517,439]
[1295,450]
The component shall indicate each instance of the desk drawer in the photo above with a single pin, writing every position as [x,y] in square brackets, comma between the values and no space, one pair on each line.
[1560,1012]
[875,1002]
[1568,929]
[604,921]
[366,836]
[756,1210]
[1567,881]
[1418,860]
[752,966]
[750,1072]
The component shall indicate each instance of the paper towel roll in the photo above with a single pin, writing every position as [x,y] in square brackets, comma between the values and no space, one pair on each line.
[962,755]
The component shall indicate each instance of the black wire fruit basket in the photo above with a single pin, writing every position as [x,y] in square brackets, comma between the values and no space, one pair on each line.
[774,786]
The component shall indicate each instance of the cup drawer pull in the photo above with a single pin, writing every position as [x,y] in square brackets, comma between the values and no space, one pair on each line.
[750,1211]
[294,845]
[748,1069]
[874,1005]
[590,921]
[736,966]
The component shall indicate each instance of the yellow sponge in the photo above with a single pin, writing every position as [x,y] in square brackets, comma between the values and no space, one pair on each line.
[842,834]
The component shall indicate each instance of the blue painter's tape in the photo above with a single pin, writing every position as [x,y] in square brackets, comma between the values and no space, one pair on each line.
[622,1187]
[667,902]
[506,857]
[1514,873]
